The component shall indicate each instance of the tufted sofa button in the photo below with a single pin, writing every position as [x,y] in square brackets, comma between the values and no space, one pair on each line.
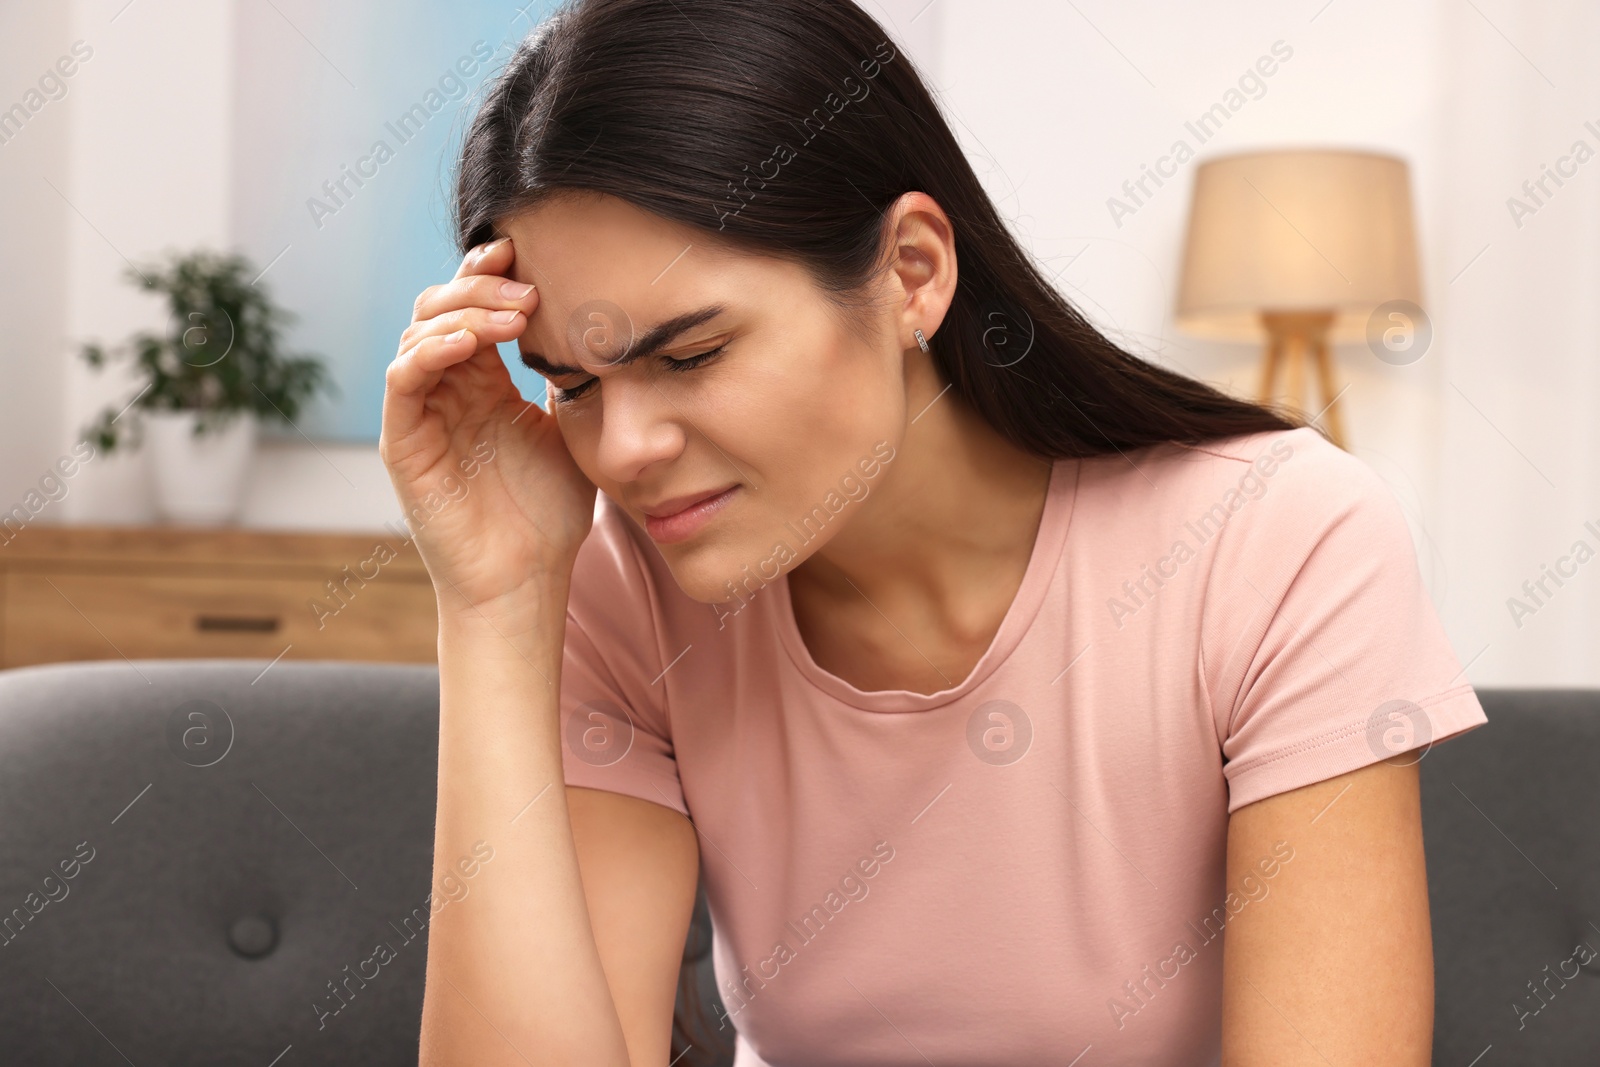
[253,936]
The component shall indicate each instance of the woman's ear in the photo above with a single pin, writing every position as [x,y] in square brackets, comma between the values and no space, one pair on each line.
[922,261]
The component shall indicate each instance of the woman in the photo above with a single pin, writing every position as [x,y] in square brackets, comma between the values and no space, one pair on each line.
[985,673]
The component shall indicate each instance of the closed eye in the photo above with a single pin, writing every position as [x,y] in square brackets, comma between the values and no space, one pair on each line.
[569,394]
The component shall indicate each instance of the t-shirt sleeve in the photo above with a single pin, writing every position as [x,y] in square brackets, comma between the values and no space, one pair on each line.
[615,732]
[1321,650]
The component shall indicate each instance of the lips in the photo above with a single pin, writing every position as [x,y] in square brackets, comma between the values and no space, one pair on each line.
[675,505]
[687,515]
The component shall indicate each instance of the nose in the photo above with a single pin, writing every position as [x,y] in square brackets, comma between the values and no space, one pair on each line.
[638,427]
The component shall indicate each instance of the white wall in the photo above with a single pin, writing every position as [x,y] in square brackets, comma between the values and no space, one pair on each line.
[1062,103]
[1520,441]
[92,183]
[1118,91]
[138,153]
[33,254]
[1489,440]
[148,169]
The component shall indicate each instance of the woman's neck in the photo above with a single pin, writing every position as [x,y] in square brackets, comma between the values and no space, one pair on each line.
[946,532]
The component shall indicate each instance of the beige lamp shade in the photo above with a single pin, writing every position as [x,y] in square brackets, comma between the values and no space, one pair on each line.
[1307,230]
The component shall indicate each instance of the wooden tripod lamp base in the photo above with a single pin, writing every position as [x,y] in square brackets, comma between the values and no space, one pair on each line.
[1294,340]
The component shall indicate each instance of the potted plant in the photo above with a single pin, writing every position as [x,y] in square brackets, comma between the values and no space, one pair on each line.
[210,378]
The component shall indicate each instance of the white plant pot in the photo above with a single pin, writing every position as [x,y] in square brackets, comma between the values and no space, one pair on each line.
[199,480]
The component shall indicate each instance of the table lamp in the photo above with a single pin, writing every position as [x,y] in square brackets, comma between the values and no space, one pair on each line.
[1297,247]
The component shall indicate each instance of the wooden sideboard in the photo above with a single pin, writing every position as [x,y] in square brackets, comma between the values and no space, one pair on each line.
[145,592]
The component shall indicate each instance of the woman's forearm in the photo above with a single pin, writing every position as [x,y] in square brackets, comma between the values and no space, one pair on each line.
[514,975]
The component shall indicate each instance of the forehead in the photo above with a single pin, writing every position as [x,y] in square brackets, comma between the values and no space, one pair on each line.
[587,250]
[591,238]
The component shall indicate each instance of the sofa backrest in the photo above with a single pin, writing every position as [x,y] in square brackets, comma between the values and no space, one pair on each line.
[1511,823]
[205,863]
[201,862]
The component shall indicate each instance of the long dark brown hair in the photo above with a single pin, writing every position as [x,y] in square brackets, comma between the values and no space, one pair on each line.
[788,128]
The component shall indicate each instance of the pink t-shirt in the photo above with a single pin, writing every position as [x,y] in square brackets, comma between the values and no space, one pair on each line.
[1030,864]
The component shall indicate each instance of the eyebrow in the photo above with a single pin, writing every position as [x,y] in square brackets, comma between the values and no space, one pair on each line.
[654,339]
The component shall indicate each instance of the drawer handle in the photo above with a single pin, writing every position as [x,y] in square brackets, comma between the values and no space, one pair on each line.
[255,624]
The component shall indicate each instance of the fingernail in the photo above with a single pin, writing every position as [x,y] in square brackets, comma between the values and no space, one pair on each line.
[514,290]
[504,316]
[458,335]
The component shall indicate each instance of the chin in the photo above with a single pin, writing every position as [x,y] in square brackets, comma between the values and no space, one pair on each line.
[727,572]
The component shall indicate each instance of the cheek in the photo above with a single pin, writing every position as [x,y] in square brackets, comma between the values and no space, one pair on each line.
[830,392]
[815,424]
[796,460]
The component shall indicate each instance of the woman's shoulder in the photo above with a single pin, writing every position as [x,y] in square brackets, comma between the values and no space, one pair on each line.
[1262,500]
[1304,447]
[1302,469]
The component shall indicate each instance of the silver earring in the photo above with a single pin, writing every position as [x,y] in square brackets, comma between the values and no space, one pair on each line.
[921,340]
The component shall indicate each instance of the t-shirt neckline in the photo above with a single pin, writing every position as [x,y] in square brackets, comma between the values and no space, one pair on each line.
[1051,536]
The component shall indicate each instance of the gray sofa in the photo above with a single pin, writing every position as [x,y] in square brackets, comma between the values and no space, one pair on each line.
[199,863]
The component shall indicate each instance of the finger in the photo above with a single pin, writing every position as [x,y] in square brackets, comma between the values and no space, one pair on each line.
[491,291]
[413,375]
[473,389]
[490,326]
[493,257]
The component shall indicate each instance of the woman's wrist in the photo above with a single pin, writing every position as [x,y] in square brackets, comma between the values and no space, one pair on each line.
[529,607]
